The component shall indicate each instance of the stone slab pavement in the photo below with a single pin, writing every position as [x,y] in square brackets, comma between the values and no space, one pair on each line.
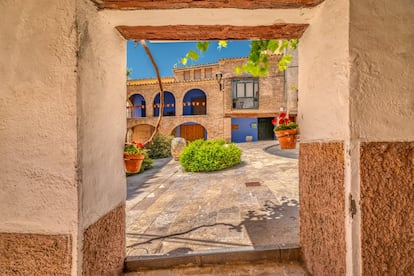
[253,204]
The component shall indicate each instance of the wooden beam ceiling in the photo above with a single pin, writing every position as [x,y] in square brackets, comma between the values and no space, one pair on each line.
[182,4]
[212,32]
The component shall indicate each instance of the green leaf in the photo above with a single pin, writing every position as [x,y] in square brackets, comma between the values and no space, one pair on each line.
[285,44]
[128,73]
[193,55]
[273,45]
[184,61]
[287,57]
[293,44]
[202,46]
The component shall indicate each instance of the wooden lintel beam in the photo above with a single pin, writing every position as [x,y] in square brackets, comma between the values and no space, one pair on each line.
[212,32]
[183,4]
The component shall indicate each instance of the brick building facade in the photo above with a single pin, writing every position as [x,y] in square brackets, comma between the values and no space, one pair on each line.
[195,107]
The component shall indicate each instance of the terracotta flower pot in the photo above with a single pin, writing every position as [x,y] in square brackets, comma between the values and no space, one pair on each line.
[133,162]
[287,138]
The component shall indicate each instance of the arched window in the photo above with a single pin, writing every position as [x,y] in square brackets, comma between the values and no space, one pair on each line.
[195,102]
[169,104]
[138,109]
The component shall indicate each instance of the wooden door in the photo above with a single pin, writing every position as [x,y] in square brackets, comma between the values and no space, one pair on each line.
[192,132]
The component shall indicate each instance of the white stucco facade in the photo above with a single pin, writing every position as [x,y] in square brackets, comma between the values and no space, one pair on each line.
[38,111]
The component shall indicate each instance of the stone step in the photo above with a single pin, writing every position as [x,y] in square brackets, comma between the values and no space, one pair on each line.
[284,253]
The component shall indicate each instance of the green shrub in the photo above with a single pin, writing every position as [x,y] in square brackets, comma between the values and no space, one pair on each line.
[210,155]
[160,147]
[147,163]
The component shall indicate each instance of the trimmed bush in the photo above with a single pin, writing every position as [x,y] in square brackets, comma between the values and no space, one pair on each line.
[160,147]
[210,155]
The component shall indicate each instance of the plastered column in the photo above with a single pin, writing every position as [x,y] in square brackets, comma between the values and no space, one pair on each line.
[324,166]
[38,138]
[101,134]
[382,133]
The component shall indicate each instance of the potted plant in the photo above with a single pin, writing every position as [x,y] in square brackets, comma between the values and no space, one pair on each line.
[134,154]
[285,131]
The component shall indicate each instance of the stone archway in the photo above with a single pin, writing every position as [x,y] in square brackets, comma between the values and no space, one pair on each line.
[83,207]
[178,32]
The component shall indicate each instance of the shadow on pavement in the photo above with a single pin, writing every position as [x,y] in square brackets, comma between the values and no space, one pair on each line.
[138,182]
[287,153]
[263,227]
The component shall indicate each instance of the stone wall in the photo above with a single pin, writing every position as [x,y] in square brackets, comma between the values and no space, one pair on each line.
[291,83]
[29,254]
[212,68]
[271,87]
[322,218]
[104,244]
[387,196]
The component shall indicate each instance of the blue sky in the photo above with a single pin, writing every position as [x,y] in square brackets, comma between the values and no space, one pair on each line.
[166,54]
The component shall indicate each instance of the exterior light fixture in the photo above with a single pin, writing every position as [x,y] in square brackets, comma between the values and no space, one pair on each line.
[219,79]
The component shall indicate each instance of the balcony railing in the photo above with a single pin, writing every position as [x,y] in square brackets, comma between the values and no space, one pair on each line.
[136,112]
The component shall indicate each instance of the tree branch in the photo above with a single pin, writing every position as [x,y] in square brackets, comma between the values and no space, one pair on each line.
[161,110]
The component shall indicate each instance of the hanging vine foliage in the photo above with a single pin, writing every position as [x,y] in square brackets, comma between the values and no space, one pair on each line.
[257,63]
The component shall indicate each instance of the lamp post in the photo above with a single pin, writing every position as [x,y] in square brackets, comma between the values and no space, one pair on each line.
[219,78]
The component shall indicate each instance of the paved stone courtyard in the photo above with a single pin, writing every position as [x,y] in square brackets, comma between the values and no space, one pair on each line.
[254,204]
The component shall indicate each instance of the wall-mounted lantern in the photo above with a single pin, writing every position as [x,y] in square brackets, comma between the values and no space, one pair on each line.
[219,79]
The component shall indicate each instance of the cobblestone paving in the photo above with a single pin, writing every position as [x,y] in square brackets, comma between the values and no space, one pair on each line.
[171,212]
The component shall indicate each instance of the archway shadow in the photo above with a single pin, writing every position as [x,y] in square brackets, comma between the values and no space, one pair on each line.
[270,225]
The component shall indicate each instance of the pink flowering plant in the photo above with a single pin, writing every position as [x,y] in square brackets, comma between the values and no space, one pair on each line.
[282,122]
[134,148]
